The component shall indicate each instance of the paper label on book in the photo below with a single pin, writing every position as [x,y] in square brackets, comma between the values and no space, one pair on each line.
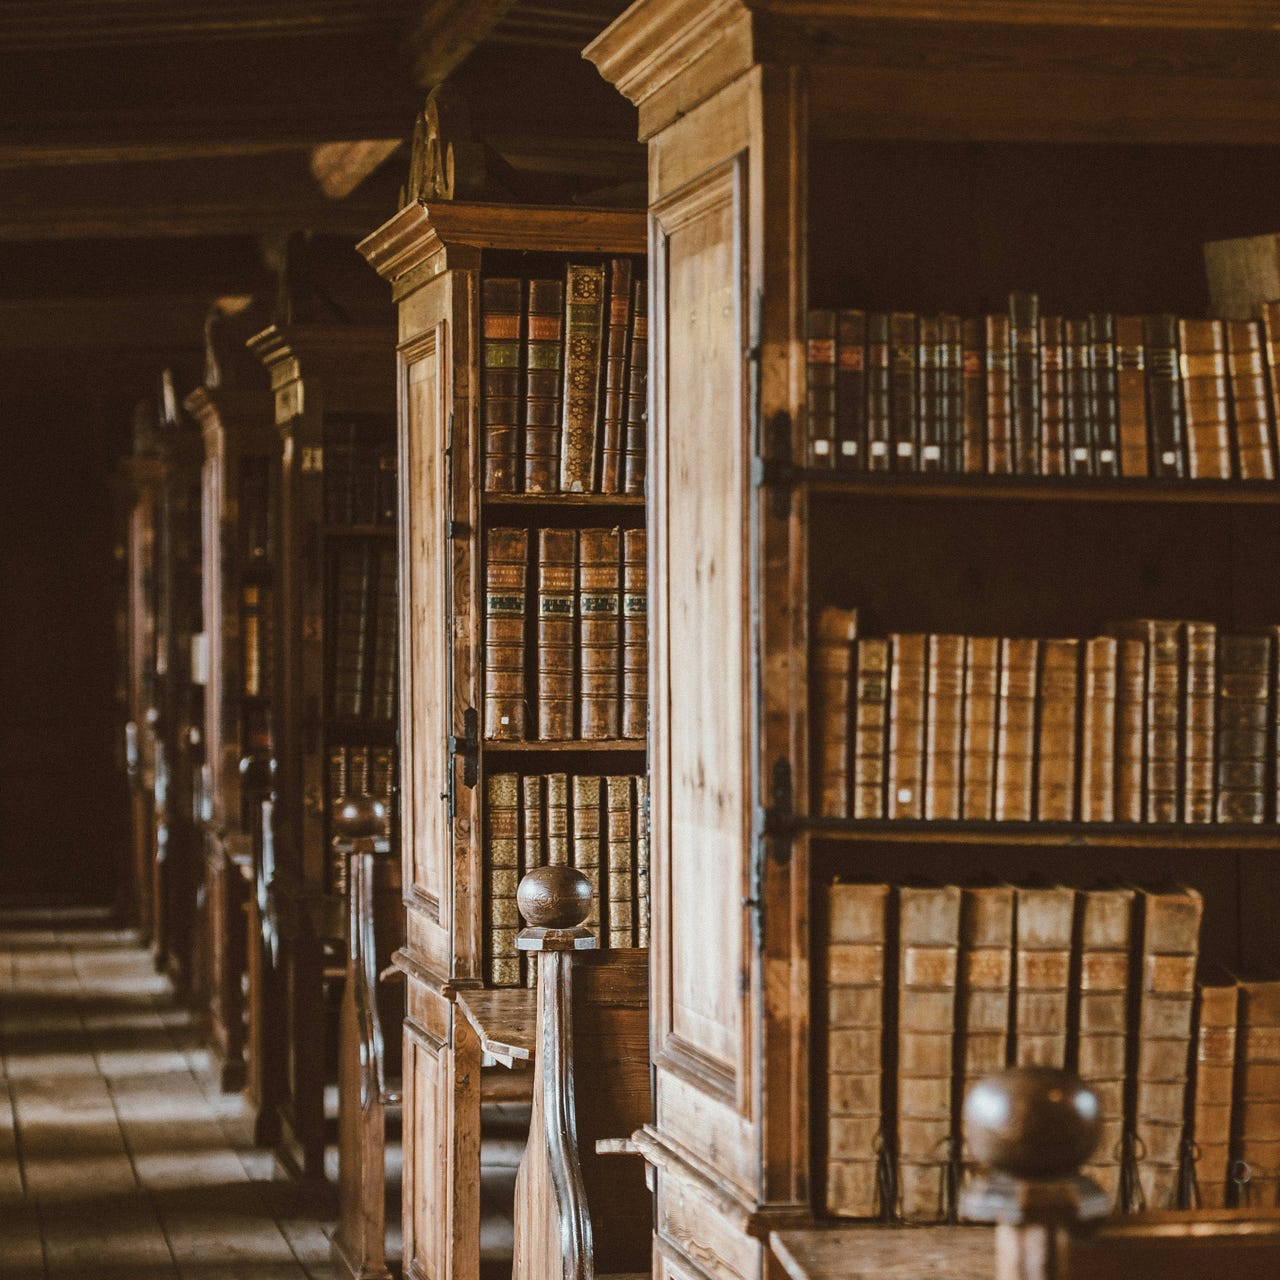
[905,795]
[1217,1044]
[1170,975]
[1106,455]
[598,605]
[851,359]
[931,452]
[1080,455]
[1169,458]
[929,966]
[879,448]
[822,447]
[849,448]
[905,449]
[822,350]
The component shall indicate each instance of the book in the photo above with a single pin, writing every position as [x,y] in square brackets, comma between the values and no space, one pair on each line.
[1098,730]
[1242,724]
[1024,381]
[820,387]
[1203,366]
[981,722]
[930,427]
[928,949]
[1250,402]
[973,410]
[586,845]
[642,861]
[1164,396]
[944,726]
[1077,362]
[556,821]
[851,399]
[635,634]
[1271,352]
[506,572]
[834,633]
[633,468]
[1053,398]
[502,864]
[1200,641]
[1056,730]
[543,387]
[952,392]
[1213,1090]
[870,728]
[906,725]
[253,629]
[857,929]
[999,403]
[1163,693]
[500,313]
[903,402]
[532,850]
[620,860]
[879,456]
[1016,730]
[584,336]
[557,619]
[600,632]
[1131,396]
[1256,1118]
[1131,730]
[1105,394]
[613,425]
[1042,975]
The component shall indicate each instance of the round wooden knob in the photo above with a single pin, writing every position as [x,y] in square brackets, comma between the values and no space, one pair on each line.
[554,897]
[258,771]
[355,817]
[1032,1122]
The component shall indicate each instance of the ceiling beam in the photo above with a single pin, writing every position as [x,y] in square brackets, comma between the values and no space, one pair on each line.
[447,31]
[340,167]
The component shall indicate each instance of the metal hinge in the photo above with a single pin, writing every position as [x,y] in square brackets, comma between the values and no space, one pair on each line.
[468,747]
[774,831]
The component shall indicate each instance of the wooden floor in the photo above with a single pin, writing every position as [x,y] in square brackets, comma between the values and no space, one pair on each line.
[118,1155]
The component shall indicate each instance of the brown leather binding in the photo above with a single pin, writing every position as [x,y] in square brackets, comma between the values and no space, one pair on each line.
[500,381]
[600,632]
[543,385]
[506,591]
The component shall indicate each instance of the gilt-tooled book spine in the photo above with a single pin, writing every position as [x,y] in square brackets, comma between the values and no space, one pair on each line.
[502,819]
[879,394]
[587,794]
[835,631]
[870,728]
[1199,704]
[1056,730]
[614,424]
[1163,715]
[1131,397]
[1170,948]
[903,403]
[928,947]
[557,615]
[981,723]
[1042,981]
[500,381]
[251,630]
[635,634]
[999,403]
[1053,398]
[557,820]
[952,384]
[1214,1064]
[1105,393]
[820,387]
[1098,730]
[1165,407]
[851,397]
[637,392]
[929,409]
[532,850]
[642,861]
[506,589]
[1202,363]
[1024,381]
[543,385]
[583,365]
[1271,350]
[1242,727]
[944,727]
[907,692]
[620,848]
[1131,730]
[1080,413]
[1256,1122]
[1250,401]
[600,632]
[337,775]
[1016,732]
[855,953]
[973,452]
[1102,1052]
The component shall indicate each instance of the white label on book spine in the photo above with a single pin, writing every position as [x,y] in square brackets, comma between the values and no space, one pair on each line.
[822,447]
[905,449]
[849,448]
[932,452]
[1169,458]
[904,795]
[1080,455]
[1106,455]
[879,448]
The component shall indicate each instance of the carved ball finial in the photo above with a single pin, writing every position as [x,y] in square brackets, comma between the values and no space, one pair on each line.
[258,770]
[357,817]
[1035,1123]
[554,897]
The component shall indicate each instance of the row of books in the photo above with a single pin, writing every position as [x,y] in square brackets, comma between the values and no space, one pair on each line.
[359,471]
[564,370]
[257,631]
[573,628]
[356,771]
[1157,721]
[597,824]
[1019,393]
[364,610]
[930,988]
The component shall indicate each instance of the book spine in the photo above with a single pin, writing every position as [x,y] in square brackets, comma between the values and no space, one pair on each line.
[1056,731]
[857,917]
[1163,693]
[1213,1089]
[1024,381]
[1016,732]
[1202,364]
[251,627]
[506,574]
[544,356]
[500,381]
[502,818]
[1098,731]
[614,419]
[1080,412]
[1042,982]
[635,634]
[974,398]
[1164,397]
[600,632]
[1106,393]
[944,727]
[879,394]
[1131,730]
[642,861]
[336,776]
[952,393]
[1242,721]
[584,340]
[1201,646]
[1256,1121]
[834,634]
[981,724]
[1131,397]
[870,728]
[999,402]
[851,390]
[904,416]
[557,820]
[1053,399]
[907,692]
[633,469]
[1250,402]
[587,794]
[820,370]
[533,851]
[929,409]
[557,617]
[1271,350]
[620,853]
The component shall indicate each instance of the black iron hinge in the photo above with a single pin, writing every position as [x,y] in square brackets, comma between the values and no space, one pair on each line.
[468,747]
[774,831]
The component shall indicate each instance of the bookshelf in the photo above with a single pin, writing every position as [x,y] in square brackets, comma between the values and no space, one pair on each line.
[484,795]
[331,387]
[895,158]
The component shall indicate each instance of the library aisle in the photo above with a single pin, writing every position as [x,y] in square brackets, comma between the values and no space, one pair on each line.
[118,1155]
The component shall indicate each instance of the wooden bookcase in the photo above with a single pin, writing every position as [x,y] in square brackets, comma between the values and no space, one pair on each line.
[323,378]
[436,260]
[917,158]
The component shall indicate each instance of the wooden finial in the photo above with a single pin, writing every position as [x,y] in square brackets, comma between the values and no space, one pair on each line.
[258,771]
[358,817]
[555,901]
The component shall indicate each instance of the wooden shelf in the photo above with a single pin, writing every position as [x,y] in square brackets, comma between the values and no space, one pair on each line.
[552,501]
[567,746]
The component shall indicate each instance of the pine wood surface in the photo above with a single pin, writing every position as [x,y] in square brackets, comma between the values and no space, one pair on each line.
[505,1020]
[915,1253]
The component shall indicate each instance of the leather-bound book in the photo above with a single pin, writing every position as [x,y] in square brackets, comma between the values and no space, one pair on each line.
[637,392]
[1256,1121]
[1098,730]
[857,916]
[613,426]
[620,859]
[1105,393]
[557,820]
[1056,730]
[1102,1045]
[1242,725]
[952,385]
[502,864]
[1131,730]
[1042,981]
[532,847]
[252,628]
[1170,947]
[635,634]
[944,727]
[929,409]
[587,831]
[870,728]
[1163,693]
[981,724]
[908,668]
[543,385]
[928,952]
[583,365]
[1080,425]
[1203,365]
[1024,381]
[1271,351]
[835,631]
[642,861]
[1213,1088]
[820,387]
[1016,730]
[851,390]
[1251,418]
[1165,407]
[904,409]
[506,572]
[1131,394]
[999,366]
[557,616]
[1053,398]
[600,632]
[879,394]
[973,447]
[1198,707]
[500,309]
